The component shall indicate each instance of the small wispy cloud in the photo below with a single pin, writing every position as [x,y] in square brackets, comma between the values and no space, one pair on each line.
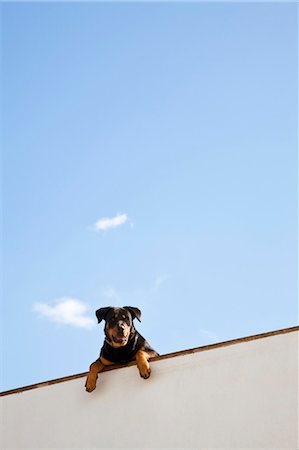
[66,311]
[110,294]
[106,223]
[209,335]
[139,295]
[160,279]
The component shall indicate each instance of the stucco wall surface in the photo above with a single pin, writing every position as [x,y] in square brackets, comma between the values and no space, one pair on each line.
[242,396]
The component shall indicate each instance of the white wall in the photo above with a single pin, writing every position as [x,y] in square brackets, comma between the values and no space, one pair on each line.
[235,397]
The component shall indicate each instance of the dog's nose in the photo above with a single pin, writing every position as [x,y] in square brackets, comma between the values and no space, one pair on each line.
[120,327]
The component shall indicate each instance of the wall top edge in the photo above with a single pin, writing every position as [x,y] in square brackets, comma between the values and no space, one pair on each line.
[157,358]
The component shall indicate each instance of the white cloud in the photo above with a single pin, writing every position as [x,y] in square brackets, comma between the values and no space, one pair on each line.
[110,294]
[160,279]
[209,335]
[106,223]
[67,311]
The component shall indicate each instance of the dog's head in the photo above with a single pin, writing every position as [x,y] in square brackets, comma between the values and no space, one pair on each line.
[119,323]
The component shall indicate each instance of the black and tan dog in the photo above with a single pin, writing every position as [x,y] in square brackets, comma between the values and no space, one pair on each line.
[122,344]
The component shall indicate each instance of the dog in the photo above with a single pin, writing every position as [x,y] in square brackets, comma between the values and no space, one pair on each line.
[122,343]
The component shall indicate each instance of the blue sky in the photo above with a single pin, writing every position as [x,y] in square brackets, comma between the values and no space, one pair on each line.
[150,159]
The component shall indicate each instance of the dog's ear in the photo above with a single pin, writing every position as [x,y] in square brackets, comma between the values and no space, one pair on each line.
[135,312]
[102,313]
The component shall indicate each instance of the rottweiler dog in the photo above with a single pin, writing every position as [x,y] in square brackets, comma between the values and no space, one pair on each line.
[122,343]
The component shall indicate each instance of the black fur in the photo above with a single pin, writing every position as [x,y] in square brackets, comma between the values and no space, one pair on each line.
[126,353]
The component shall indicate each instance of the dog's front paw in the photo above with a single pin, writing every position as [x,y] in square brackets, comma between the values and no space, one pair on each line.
[90,388]
[90,385]
[145,371]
